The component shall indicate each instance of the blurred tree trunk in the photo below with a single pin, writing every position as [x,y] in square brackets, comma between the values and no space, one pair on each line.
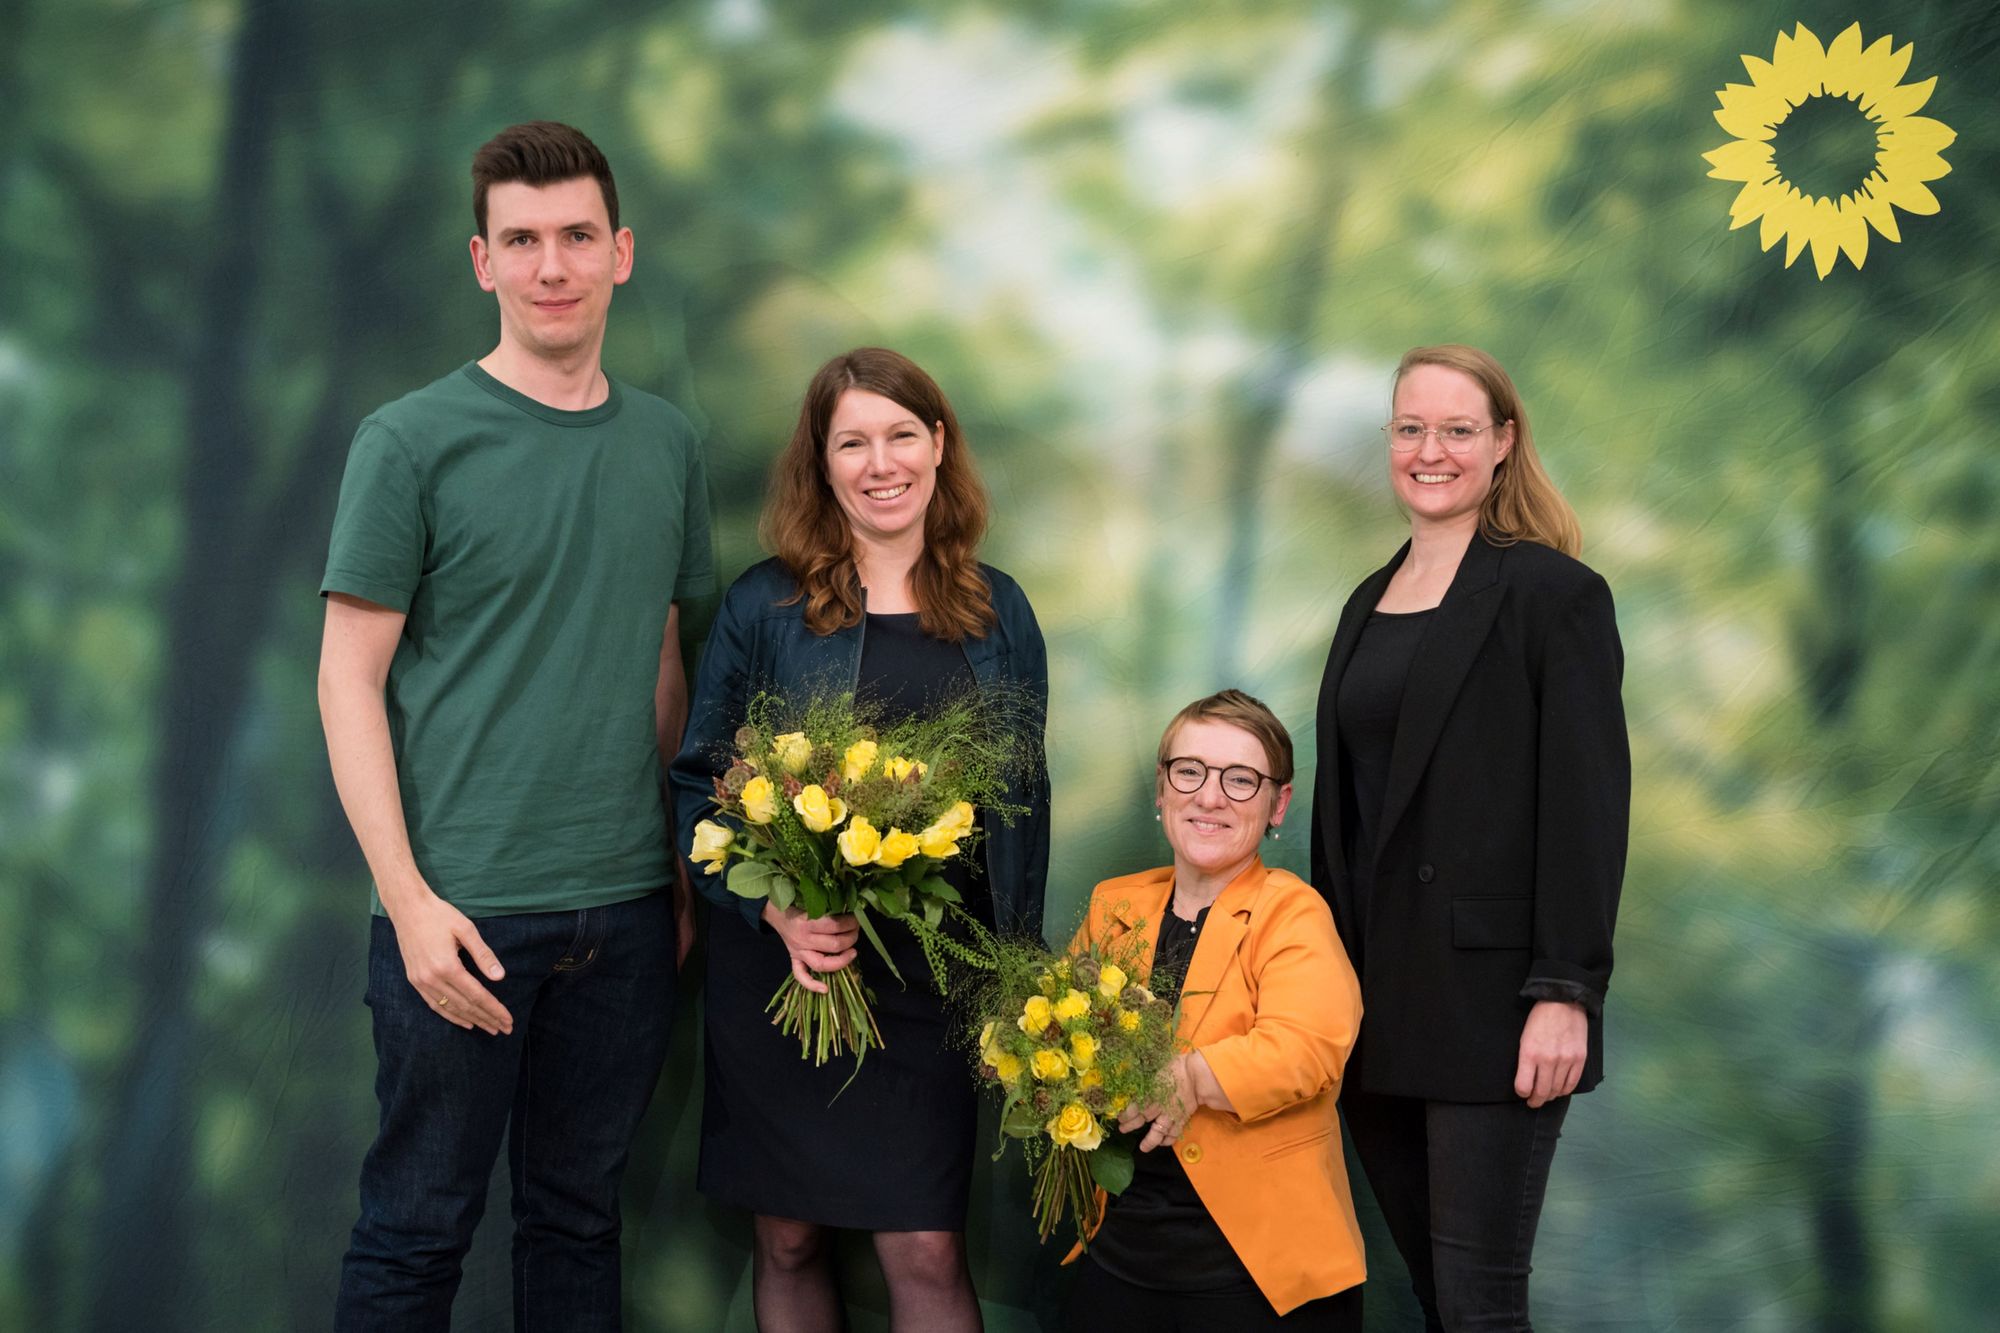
[1159,619]
[1256,405]
[13,90]
[1833,655]
[44,1253]
[143,1231]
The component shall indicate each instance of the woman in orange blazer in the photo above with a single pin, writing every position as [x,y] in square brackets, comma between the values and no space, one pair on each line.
[1238,1216]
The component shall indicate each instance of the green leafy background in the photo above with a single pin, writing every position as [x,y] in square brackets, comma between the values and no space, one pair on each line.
[1163,256]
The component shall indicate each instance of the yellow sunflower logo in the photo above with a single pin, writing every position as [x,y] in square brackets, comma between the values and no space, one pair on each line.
[1827,142]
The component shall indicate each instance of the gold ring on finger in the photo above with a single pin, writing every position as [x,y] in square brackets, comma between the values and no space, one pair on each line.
[444,1001]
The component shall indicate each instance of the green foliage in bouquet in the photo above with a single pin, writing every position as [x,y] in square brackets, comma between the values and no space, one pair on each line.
[1070,1041]
[835,812]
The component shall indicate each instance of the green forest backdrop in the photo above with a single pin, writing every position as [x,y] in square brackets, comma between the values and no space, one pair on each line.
[1163,255]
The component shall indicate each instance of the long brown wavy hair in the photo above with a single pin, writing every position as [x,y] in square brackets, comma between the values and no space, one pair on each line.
[1524,504]
[804,525]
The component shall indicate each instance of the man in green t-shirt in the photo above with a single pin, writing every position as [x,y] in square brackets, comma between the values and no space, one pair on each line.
[500,681]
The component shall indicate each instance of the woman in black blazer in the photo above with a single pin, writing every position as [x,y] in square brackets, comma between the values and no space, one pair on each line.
[1469,823]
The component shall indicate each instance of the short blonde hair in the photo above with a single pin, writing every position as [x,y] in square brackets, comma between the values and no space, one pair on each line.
[1246,713]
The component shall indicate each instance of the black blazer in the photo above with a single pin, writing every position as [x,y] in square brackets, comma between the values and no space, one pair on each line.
[1501,844]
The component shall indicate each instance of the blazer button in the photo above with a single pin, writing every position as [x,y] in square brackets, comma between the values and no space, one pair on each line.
[1190,1153]
[1426,874]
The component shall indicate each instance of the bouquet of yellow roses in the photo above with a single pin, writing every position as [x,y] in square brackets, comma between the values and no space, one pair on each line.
[1070,1041]
[837,816]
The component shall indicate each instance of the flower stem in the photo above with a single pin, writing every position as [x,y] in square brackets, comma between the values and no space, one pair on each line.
[838,1022]
[1063,1184]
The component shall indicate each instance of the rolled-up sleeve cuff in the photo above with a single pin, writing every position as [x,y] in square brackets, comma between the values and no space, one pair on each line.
[1570,992]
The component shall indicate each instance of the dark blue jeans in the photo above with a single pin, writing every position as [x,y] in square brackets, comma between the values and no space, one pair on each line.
[1460,1185]
[591,993]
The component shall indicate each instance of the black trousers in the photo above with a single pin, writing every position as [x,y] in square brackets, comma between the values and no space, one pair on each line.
[1460,1185]
[1101,1303]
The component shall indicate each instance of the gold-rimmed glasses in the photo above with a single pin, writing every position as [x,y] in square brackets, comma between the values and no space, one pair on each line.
[1407,433]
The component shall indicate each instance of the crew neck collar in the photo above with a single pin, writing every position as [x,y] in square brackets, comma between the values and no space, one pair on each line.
[589,416]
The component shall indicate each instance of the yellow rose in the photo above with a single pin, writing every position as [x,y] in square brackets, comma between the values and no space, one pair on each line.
[941,839]
[711,844]
[1111,981]
[1128,1019]
[793,750]
[1049,1064]
[760,802]
[900,768]
[1074,1004]
[858,842]
[993,1053]
[1034,1014]
[897,847]
[1119,1103]
[953,824]
[986,1034]
[1082,1050]
[819,811]
[1090,1078]
[1075,1127]
[859,759]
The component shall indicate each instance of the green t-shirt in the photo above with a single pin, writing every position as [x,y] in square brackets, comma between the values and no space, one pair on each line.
[535,552]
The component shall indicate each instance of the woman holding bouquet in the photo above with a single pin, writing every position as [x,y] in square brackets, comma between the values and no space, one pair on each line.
[875,513]
[1469,821]
[1238,1216]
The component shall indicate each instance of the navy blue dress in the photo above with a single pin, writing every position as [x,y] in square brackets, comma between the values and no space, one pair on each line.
[779,1135]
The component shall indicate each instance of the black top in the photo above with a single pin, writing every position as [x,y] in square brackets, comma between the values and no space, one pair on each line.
[1158,1234]
[904,672]
[1370,698]
[1499,845]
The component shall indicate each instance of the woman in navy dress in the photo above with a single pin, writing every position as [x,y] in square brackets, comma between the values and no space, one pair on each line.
[875,514]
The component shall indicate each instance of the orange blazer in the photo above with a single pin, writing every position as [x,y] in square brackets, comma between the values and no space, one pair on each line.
[1272,1003]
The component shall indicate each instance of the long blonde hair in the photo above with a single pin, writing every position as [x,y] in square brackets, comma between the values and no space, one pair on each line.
[806,528]
[1524,504]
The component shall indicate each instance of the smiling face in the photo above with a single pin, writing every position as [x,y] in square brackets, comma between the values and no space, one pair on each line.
[881,463]
[1212,835]
[551,256]
[1434,484]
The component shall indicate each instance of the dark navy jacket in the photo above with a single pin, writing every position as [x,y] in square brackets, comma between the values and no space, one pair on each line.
[757,644]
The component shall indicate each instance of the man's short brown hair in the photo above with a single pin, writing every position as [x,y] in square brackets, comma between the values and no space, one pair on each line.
[539,152]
